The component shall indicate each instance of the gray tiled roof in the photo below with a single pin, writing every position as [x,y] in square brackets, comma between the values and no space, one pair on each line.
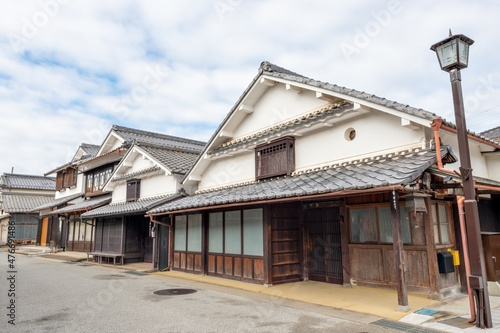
[23,203]
[18,181]
[266,68]
[130,134]
[387,170]
[493,133]
[131,175]
[90,149]
[57,202]
[133,207]
[269,69]
[84,205]
[178,161]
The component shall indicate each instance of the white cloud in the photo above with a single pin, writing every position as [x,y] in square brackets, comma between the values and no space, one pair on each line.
[87,66]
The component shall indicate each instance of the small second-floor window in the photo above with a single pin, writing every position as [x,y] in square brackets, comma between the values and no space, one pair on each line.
[275,159]
[441,221]
[133,189]
[64,179]
[97,179]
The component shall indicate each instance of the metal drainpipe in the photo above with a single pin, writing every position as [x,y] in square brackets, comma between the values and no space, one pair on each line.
[436,125]
[461,214]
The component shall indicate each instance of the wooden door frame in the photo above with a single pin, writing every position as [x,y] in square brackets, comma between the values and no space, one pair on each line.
[323,206]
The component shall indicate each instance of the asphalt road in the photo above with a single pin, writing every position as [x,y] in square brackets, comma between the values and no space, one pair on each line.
[56,296]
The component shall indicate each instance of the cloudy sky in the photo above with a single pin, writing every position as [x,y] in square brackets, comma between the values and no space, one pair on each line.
[70,69]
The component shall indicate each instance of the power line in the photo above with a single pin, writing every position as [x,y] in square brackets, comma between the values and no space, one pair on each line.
[477,114]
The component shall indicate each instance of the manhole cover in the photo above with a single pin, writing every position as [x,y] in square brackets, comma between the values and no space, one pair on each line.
[173,292]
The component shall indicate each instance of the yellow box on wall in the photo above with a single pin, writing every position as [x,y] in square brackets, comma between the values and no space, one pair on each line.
[456,257]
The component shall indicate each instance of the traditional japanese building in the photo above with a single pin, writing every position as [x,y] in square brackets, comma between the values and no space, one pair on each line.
[19,195]
[306,180]
[54,215]
[147,174]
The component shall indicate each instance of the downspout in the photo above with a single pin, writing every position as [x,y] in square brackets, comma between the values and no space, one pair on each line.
[436,125]
[169,231]
[461,214]
[486,187]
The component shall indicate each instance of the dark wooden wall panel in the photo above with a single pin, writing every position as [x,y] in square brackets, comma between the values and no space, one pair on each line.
[367,264]
[372,263]
[258,269]
[247,268]
[190,262]
[237,266]
[177,260]
[220,265]
[228,266]
[183,261]
[285,242]
[211,264]
[198,267]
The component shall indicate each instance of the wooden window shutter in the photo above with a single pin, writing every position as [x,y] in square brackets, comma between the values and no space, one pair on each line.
[59,181]
[69,177]
[75,176]
[275,159]
[133,190]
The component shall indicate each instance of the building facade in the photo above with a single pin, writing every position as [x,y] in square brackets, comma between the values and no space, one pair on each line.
[19,195]
[305,180]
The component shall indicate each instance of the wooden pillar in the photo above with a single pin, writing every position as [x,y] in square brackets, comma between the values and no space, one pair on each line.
[123,235]
[155,242]
[431,252]
[399,260]
[344,239]
[171,243]
[268,281]
[204,243]
[305,243]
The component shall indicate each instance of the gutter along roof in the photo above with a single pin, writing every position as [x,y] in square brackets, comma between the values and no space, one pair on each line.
[83,206]
[391,170]
[57,202]
[130,208]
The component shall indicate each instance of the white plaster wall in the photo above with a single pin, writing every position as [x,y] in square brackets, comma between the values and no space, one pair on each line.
[159,185]
[115,144]
[139,163]
[79,188]
[478,161]
[151,186]
[275,106]
[375,132]
[226,171]
[493,163]
[119,193]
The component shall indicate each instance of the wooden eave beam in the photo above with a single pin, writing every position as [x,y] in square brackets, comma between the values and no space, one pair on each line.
[295,89]
[267,82]
[409,124]
[246,108]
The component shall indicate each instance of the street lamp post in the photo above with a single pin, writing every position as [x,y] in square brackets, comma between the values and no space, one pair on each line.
[453,55]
